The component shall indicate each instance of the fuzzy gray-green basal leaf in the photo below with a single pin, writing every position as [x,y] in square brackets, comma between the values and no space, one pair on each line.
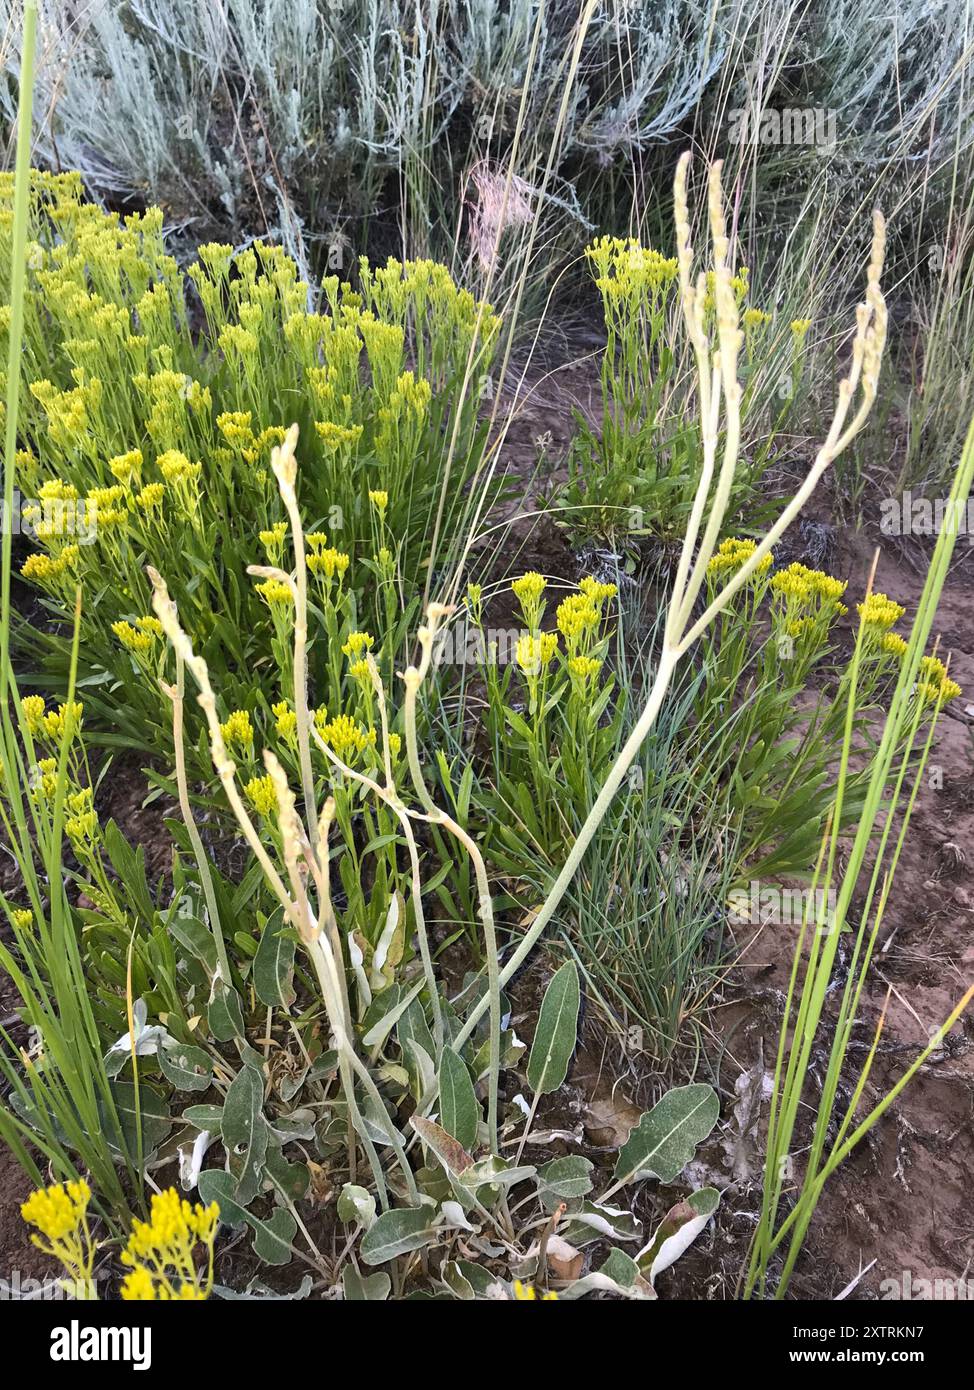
[398,1232]
[677,1231]
[459,1107]
[554,1037]
[667,1136]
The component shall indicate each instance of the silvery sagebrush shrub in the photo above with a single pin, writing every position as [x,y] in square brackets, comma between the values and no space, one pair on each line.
[310,118]
[239,117]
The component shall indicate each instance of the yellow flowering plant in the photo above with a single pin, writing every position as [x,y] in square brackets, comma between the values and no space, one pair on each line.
[395,1033]
[637,474]
[59,1216]
[401,1069]
[551,715]
[143,442]
[167,1258]
[780,702]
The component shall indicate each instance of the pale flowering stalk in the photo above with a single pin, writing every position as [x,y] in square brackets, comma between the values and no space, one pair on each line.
[176,694]
[284,464]
[285,469]
[330,972]
[717,380]
[729,338]
[297,910]
[413,678]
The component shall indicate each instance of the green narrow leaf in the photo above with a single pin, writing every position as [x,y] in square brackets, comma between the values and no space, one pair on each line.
[554,1037]
[459,1108]
[274,964]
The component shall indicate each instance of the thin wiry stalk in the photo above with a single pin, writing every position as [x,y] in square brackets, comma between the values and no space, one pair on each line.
[176,694]
[899,731]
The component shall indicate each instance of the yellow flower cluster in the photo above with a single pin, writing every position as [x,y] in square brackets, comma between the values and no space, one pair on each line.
[529,587]
[740,284]
[577,617]
[624,269]
[161,1252]
[140,639]
[261,795]
[327,563]
[535,651]
[337,437]
[934,685]
[527,1293]
[286,721]
[60,1215]
[237,429]
[43,779]
[81,826]
[346,738]
[357,643]
[54,573]
[807,588]
[894,645]
[57,1211]
[584,668]
[879,613]
[23,918]
[126,467]
[237,730]
[273,541]
[50,726]
[597,591]
[275,593]
[755,319]
[400,423]
[732,553]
